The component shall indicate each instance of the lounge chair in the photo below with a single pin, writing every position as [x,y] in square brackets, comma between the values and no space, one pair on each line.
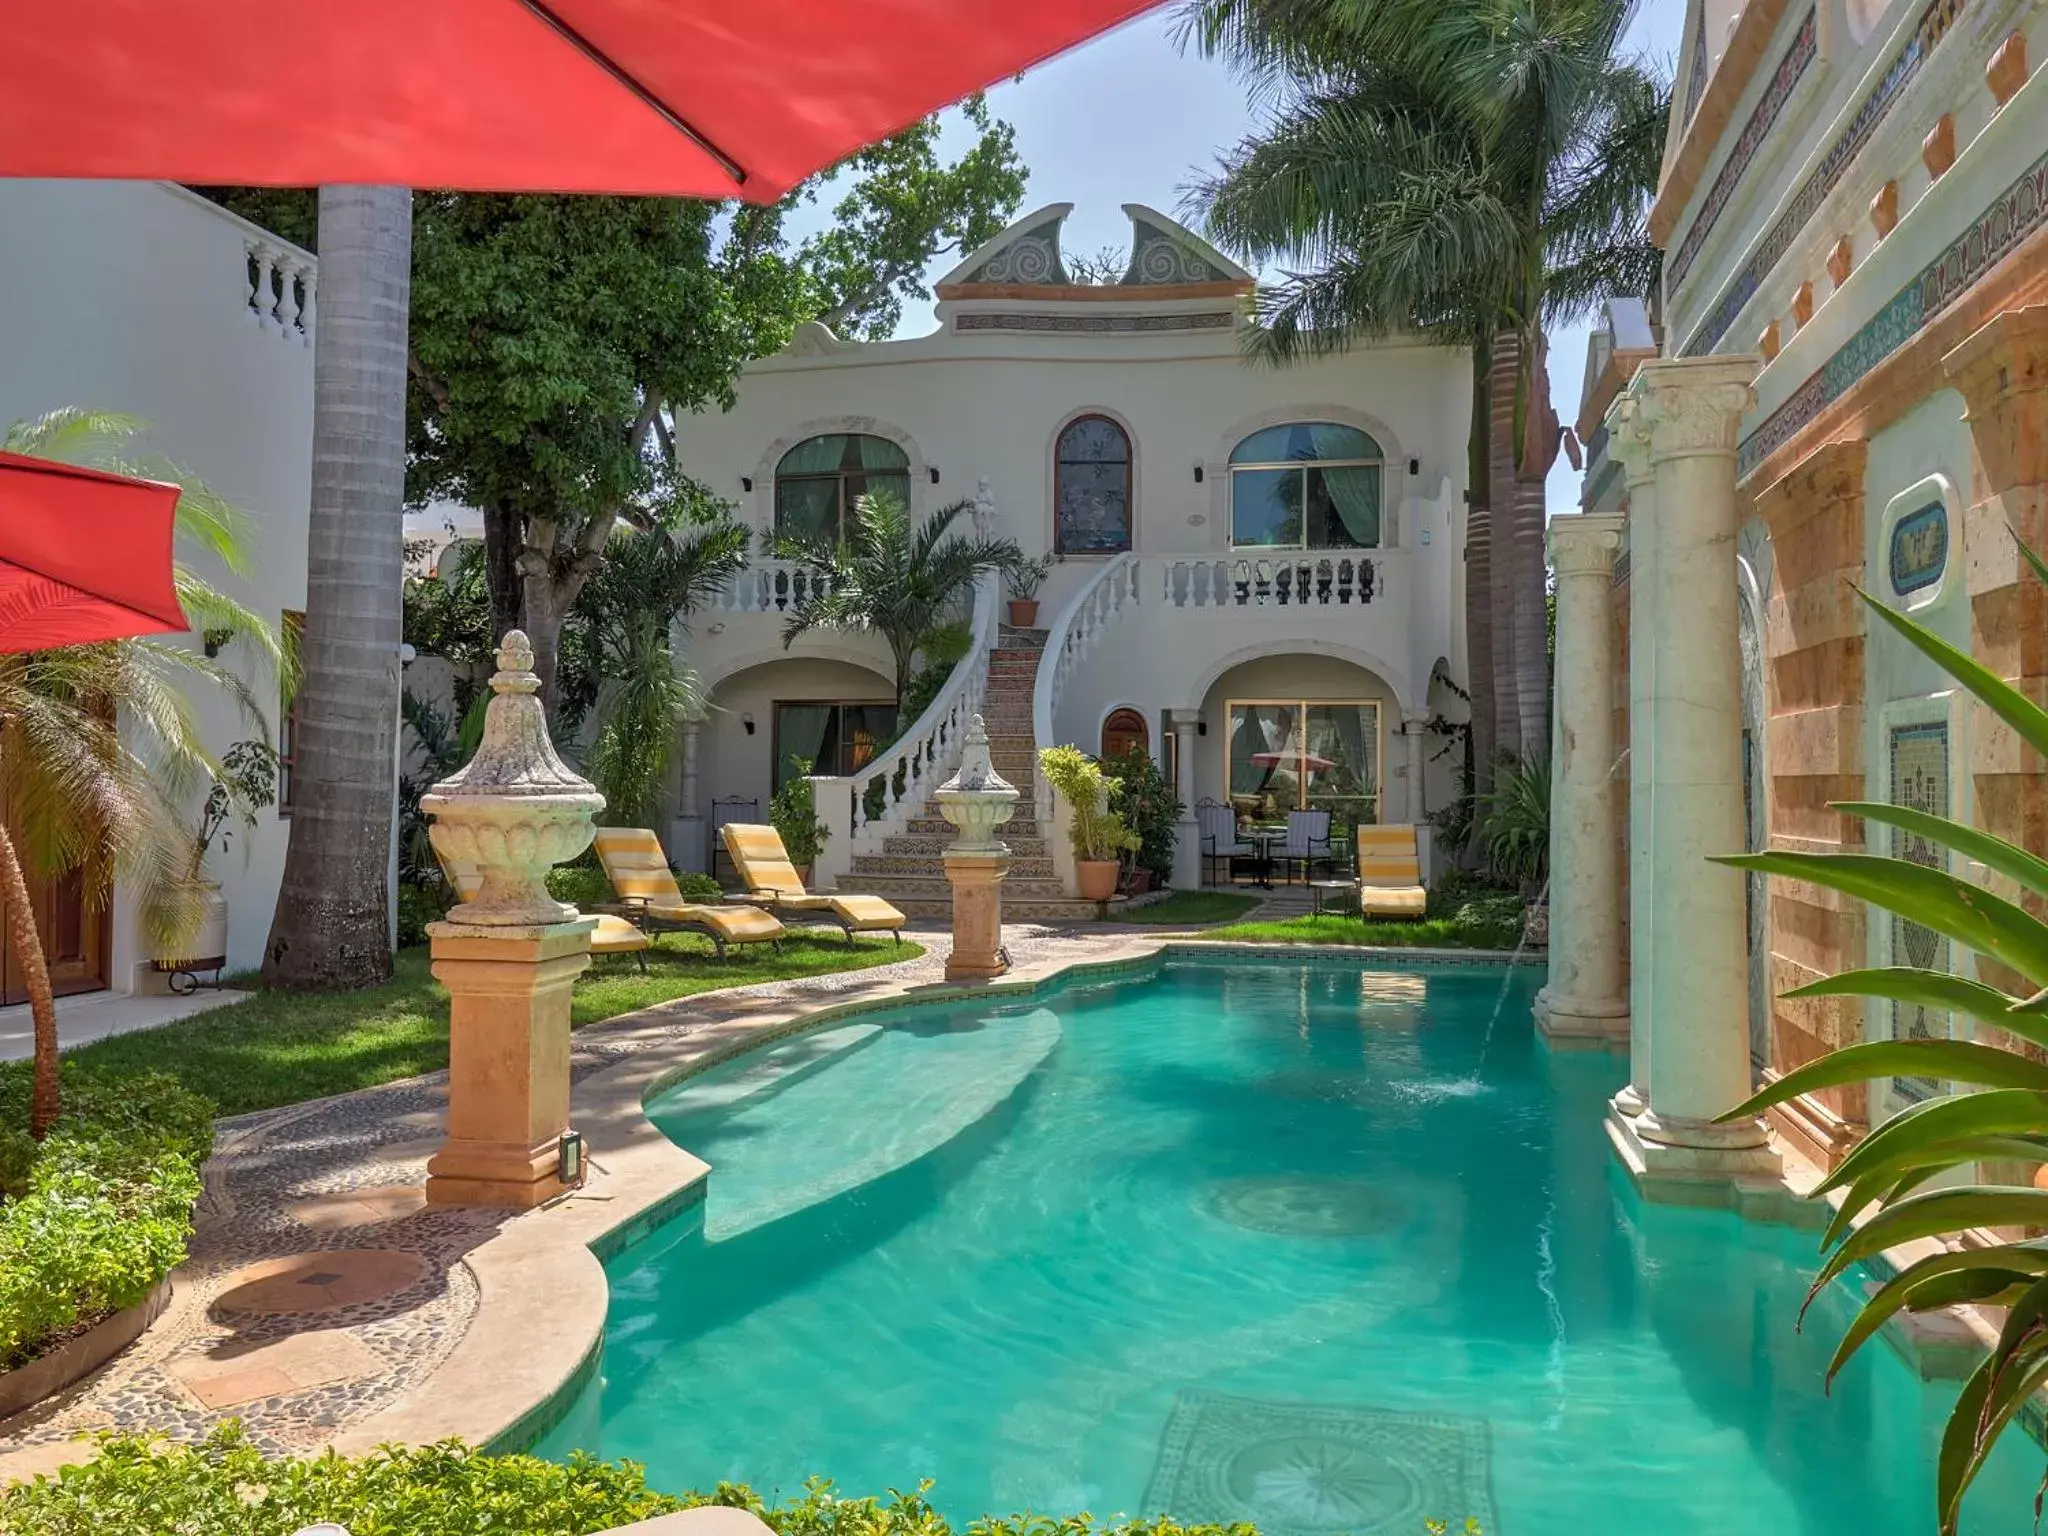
[1389,873]
[639,872]
[769,877]
[614,935]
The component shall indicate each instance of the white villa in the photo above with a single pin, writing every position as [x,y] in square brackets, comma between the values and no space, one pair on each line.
[1260,575]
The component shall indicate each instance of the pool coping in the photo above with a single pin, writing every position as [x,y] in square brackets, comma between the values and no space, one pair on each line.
[537,1335]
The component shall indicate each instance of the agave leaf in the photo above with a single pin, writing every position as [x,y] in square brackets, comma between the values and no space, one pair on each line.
[2002,1287]
[2001,1266]
[1972,842]
[1999,696]
[1934,898]
[1974,1427]
[1935,1214]
[1958,1061]
[1934,989]
[1904,1138]
[2040,567]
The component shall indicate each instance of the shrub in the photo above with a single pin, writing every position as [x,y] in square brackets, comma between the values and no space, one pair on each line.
[419,905]
[1098,832]
[586,885]
[1148,804]
[98,1211]
[793,814]
[225,1487]
[1514,830]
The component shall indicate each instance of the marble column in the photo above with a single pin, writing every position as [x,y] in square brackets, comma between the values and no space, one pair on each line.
[1629,447]
[1690,412]
[1584,994]
[686,837]
[1187,839]
[1415,737]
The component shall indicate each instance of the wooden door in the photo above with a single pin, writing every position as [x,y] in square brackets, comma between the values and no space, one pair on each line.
[76,935]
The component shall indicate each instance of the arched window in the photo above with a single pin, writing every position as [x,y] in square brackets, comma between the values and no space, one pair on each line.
[1124,731]
[1306,485]
[818,481]
[1092,487]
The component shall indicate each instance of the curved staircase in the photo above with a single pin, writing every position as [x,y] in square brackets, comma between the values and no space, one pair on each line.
[909,871]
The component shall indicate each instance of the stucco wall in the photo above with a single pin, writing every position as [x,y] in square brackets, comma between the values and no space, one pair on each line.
[731,762]
[132,297]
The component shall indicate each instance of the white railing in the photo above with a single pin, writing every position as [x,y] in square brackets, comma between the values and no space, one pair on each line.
[771,586]
[1090,613]
[1279,580]
[861,810]
[278,285]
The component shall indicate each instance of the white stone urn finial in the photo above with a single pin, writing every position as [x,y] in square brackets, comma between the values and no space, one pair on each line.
[977,799]
[514,810]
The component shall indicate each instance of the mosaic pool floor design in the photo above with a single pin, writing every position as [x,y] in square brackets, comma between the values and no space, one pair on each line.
[1313,1469]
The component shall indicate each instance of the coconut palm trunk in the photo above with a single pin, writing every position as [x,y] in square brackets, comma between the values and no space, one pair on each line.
[27,945]
[1538,451]
[332,928]
[1479,626]
[1507,556]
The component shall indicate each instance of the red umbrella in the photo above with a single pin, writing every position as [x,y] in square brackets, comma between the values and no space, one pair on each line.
[708,98]
[84,555]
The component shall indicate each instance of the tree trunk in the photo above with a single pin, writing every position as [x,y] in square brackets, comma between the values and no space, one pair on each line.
[541,614]
[28,953]
[503,537]
[1479,625]
[1501,444]
[332,928]
[1537,452]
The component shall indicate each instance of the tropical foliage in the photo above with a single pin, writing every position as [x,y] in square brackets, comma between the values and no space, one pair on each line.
[1471,170]
[98,1211]
[900,581]
[104,801]
[793,813]
[1957,1162]
[1514,826]
[1099,832]
[1146,801]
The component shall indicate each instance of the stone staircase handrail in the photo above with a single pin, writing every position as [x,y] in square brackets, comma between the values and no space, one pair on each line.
[1074,635]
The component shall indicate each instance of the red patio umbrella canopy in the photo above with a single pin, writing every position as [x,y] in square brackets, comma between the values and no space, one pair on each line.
[707,98]
[84,556]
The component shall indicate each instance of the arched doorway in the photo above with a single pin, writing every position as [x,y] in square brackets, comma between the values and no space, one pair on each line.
[1124,731]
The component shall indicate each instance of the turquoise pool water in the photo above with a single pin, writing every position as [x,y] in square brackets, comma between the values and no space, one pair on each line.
[1293,1243]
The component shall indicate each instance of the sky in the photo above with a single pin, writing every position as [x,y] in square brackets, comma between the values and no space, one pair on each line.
[1129,118]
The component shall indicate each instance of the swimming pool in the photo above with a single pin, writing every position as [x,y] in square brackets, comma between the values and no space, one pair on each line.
[1299,1243]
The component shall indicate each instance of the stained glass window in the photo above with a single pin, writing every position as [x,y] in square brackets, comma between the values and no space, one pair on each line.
[818,481]
[1092,487]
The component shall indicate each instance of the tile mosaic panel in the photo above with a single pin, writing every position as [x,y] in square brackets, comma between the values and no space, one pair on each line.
[1935,23]
[1314,1469]
[1696,77]
[1919,549]
[2016,214]
[1761,120]
[1919,780]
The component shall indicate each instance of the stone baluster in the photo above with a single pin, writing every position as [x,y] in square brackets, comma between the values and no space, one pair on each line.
[510,955]
[1584,994]
[309,278]
[261,299]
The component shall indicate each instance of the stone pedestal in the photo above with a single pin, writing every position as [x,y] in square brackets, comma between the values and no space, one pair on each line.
[508,1059]
[977,800]
[1688,411]
[510,953]
[1584,997]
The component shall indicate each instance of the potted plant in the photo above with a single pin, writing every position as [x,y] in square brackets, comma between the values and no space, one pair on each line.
[1098,833]
[245,783]
[794,816]
[1149,807]
[1024,578]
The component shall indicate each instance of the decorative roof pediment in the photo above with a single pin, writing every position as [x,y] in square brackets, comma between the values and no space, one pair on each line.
[1163,254]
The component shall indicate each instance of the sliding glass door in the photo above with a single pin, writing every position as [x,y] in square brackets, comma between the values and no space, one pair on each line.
[1304,754]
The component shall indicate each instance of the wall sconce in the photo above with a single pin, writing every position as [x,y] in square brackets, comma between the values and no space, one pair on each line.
[1201,727]
[1198,474]
[747,724]
[746,482]
[935,474]
[1415,466]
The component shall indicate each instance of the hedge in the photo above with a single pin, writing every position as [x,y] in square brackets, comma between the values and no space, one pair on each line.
[92,1217]
[225,1487]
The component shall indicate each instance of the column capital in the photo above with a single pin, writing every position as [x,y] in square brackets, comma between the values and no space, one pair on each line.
[1693,407]
[1627,443]
[1184,719]
[1584,543]
[1416,724]
[2001,371]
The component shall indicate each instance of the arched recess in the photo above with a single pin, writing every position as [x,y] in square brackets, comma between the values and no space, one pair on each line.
[761,503]
[1123,730]
[1754,562]
[1398,682]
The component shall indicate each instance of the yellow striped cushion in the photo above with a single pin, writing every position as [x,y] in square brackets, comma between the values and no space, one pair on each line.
[763,863]
[635,865]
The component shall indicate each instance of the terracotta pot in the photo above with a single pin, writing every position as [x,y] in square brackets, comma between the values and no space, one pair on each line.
[1095,878]
[1023,612]
[208,946]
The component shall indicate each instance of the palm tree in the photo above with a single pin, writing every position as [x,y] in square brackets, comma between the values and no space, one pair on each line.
[103,751]
[332,926]
[898,581]
[649,583]
[1466,169]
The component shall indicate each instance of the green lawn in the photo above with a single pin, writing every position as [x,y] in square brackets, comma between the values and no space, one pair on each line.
[283,1048]
[1489,921]
[1191,907]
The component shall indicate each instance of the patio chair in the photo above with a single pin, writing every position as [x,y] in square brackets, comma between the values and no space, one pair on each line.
[1389,873]
[770,878]
[614,935]
[731,808]
[1308,841]
[646,887]
[1220,842]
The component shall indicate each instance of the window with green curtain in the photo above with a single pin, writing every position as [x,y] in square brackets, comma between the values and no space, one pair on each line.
[818,481]
[1299,754]
[835,738]
[1306,485]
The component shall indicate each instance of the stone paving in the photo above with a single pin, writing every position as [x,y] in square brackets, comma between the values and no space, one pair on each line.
[320,1288]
